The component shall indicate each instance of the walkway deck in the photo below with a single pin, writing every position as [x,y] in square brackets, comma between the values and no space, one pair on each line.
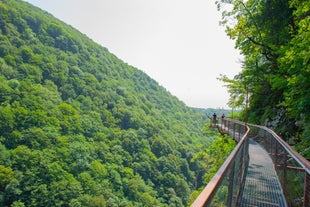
[262,187]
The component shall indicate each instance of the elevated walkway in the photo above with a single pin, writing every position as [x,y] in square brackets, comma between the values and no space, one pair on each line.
[262,186]
[262,171]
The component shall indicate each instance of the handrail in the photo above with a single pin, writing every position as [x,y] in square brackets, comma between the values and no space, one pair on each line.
[300,159]
[226,172]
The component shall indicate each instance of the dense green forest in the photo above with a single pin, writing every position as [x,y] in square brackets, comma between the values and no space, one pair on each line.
[274,37]
[79,127]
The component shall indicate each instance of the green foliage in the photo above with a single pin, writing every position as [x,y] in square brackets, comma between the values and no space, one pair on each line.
[273,36]
[211,158]
[237,91]
[6,176]
[79,127]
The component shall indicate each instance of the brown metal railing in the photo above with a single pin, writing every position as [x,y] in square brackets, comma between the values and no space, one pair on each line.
[226,186]
[292,169]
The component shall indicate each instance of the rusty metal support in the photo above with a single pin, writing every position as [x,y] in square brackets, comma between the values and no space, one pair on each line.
[231,185]
[307,190]
[284,167]
[239,133]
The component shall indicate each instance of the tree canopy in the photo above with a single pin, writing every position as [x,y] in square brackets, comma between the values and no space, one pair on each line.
[274,38]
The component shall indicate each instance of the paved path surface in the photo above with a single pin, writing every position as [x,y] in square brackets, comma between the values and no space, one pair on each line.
[262,187]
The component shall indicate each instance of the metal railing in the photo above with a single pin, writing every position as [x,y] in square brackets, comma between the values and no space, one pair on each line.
[226,186]
[292,169]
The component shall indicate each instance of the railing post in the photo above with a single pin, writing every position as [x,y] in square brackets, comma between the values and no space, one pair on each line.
[270,148]
[307,190]
[241,173]
[244,129]
[239,132]
[231,185]
[285,175]
[265,141]
[275,158]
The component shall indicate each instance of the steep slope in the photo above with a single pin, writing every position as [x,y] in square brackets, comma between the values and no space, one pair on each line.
[79,127]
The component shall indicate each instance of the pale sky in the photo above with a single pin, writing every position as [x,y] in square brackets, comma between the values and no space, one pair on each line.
[179,43]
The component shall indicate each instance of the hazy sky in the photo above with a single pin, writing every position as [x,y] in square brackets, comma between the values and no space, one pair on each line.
[179,43]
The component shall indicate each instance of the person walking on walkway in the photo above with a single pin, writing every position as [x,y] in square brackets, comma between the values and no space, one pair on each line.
[214,119]
[223,117]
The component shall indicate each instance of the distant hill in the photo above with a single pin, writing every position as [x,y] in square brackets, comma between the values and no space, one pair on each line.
[79,127]
[210,111]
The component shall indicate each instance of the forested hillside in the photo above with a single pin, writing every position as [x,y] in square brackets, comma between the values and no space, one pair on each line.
[274,37]
[79,127]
